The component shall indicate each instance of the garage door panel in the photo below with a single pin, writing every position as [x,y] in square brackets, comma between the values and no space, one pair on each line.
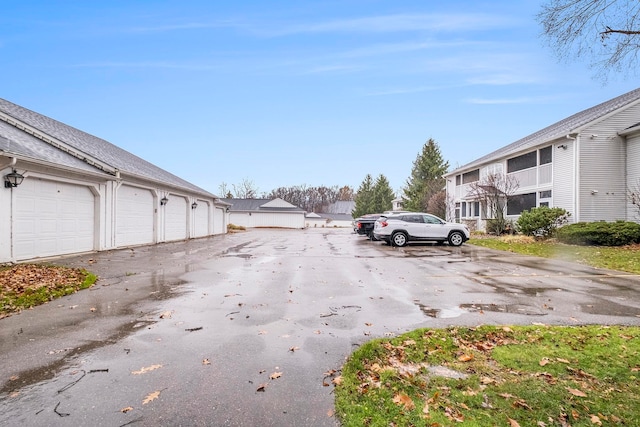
[134,218]
[53,218]
[176,218]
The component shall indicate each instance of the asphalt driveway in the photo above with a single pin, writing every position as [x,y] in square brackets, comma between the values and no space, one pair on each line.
[250,328]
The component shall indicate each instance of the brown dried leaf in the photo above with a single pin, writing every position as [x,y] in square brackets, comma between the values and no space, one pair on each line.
[544,361]
[465,358]
[147,369]
[294,349]
[402,399]
[576,392]
[127,409]
[563,360]
[166,315]
[337,380]
[513,423]
[262,387]
[151,397]
[206,362]
[596,420]
[275,375]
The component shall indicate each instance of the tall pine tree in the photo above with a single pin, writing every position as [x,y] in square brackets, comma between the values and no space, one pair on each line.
[364,198]
[426,177]
[382,195]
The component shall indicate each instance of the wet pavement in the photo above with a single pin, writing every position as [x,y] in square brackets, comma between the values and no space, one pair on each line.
[250,328]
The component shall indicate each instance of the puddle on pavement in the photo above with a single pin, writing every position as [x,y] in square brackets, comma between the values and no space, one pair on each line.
[442,313]
[609,308]
[51,370]
[505,308]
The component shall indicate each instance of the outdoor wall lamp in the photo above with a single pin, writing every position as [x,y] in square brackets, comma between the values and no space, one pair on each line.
[194,205]
[164,201]
[563,146]
[228,209]
[13,179]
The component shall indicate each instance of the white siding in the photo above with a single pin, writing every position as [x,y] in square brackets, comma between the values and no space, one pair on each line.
[564,177]
[633,175]
[268,219]
[52,218]
[134,216]
[602,185]
[175,222]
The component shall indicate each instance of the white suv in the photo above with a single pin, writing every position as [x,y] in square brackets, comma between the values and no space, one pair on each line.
[400,229]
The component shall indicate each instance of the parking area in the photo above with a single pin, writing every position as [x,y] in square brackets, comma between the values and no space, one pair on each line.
[250,328]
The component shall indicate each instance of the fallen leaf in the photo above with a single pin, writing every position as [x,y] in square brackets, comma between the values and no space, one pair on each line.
[596,420]
[275,375]
[544,361]
[402,399]
[513,423]
[368,324]
[262,332]
[262,387]
[206,362]
[577,392]
[465,358]
[292,349]
[151,397]
[127,409]
[92,309]
[166,315]
[337,380]
[330,413]
[563,360]
[147,369]
[575,414]
[13,378]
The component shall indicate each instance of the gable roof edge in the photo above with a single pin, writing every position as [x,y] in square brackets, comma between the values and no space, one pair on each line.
[60,145]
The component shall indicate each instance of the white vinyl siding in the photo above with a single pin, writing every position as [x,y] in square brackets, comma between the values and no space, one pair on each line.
[633,174]
[52,218]
[268,219]
[135,216]
[602,185]
[564,177]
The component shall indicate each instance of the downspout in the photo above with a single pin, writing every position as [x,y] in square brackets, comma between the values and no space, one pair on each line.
[576,174]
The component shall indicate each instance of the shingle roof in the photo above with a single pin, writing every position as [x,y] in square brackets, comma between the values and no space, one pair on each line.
[94,148]
[571,124]
[259,205]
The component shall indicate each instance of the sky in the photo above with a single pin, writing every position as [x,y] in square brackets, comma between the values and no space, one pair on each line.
[287,93]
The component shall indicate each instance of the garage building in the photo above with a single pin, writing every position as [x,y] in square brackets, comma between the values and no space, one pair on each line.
[66,191]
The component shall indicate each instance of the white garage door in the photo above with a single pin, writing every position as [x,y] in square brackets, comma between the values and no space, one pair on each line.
[52,218]
[218,221]
[134,216]
[175,221]
[201,219]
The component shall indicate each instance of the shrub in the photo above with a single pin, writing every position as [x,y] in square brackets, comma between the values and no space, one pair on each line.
[617,233]
[541,221]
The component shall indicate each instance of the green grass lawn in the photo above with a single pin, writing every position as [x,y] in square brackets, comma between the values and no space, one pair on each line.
[625,258]
[495,376]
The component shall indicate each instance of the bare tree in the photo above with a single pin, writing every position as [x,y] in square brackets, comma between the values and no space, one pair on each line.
[245,190]
[606,32]
[492,192]
[437,204]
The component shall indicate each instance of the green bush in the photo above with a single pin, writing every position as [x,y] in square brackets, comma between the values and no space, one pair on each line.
[617,233]
[541,221]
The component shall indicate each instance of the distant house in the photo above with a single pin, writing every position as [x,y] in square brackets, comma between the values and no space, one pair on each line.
[254,213]
[585,164]
[337,214]
[66,191]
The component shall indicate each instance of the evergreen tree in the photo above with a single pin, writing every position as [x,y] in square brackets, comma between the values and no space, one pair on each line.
[382,195]
[426,177]
[364,198]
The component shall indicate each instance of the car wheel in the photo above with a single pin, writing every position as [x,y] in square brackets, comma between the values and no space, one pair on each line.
[399,239]
[456,238]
